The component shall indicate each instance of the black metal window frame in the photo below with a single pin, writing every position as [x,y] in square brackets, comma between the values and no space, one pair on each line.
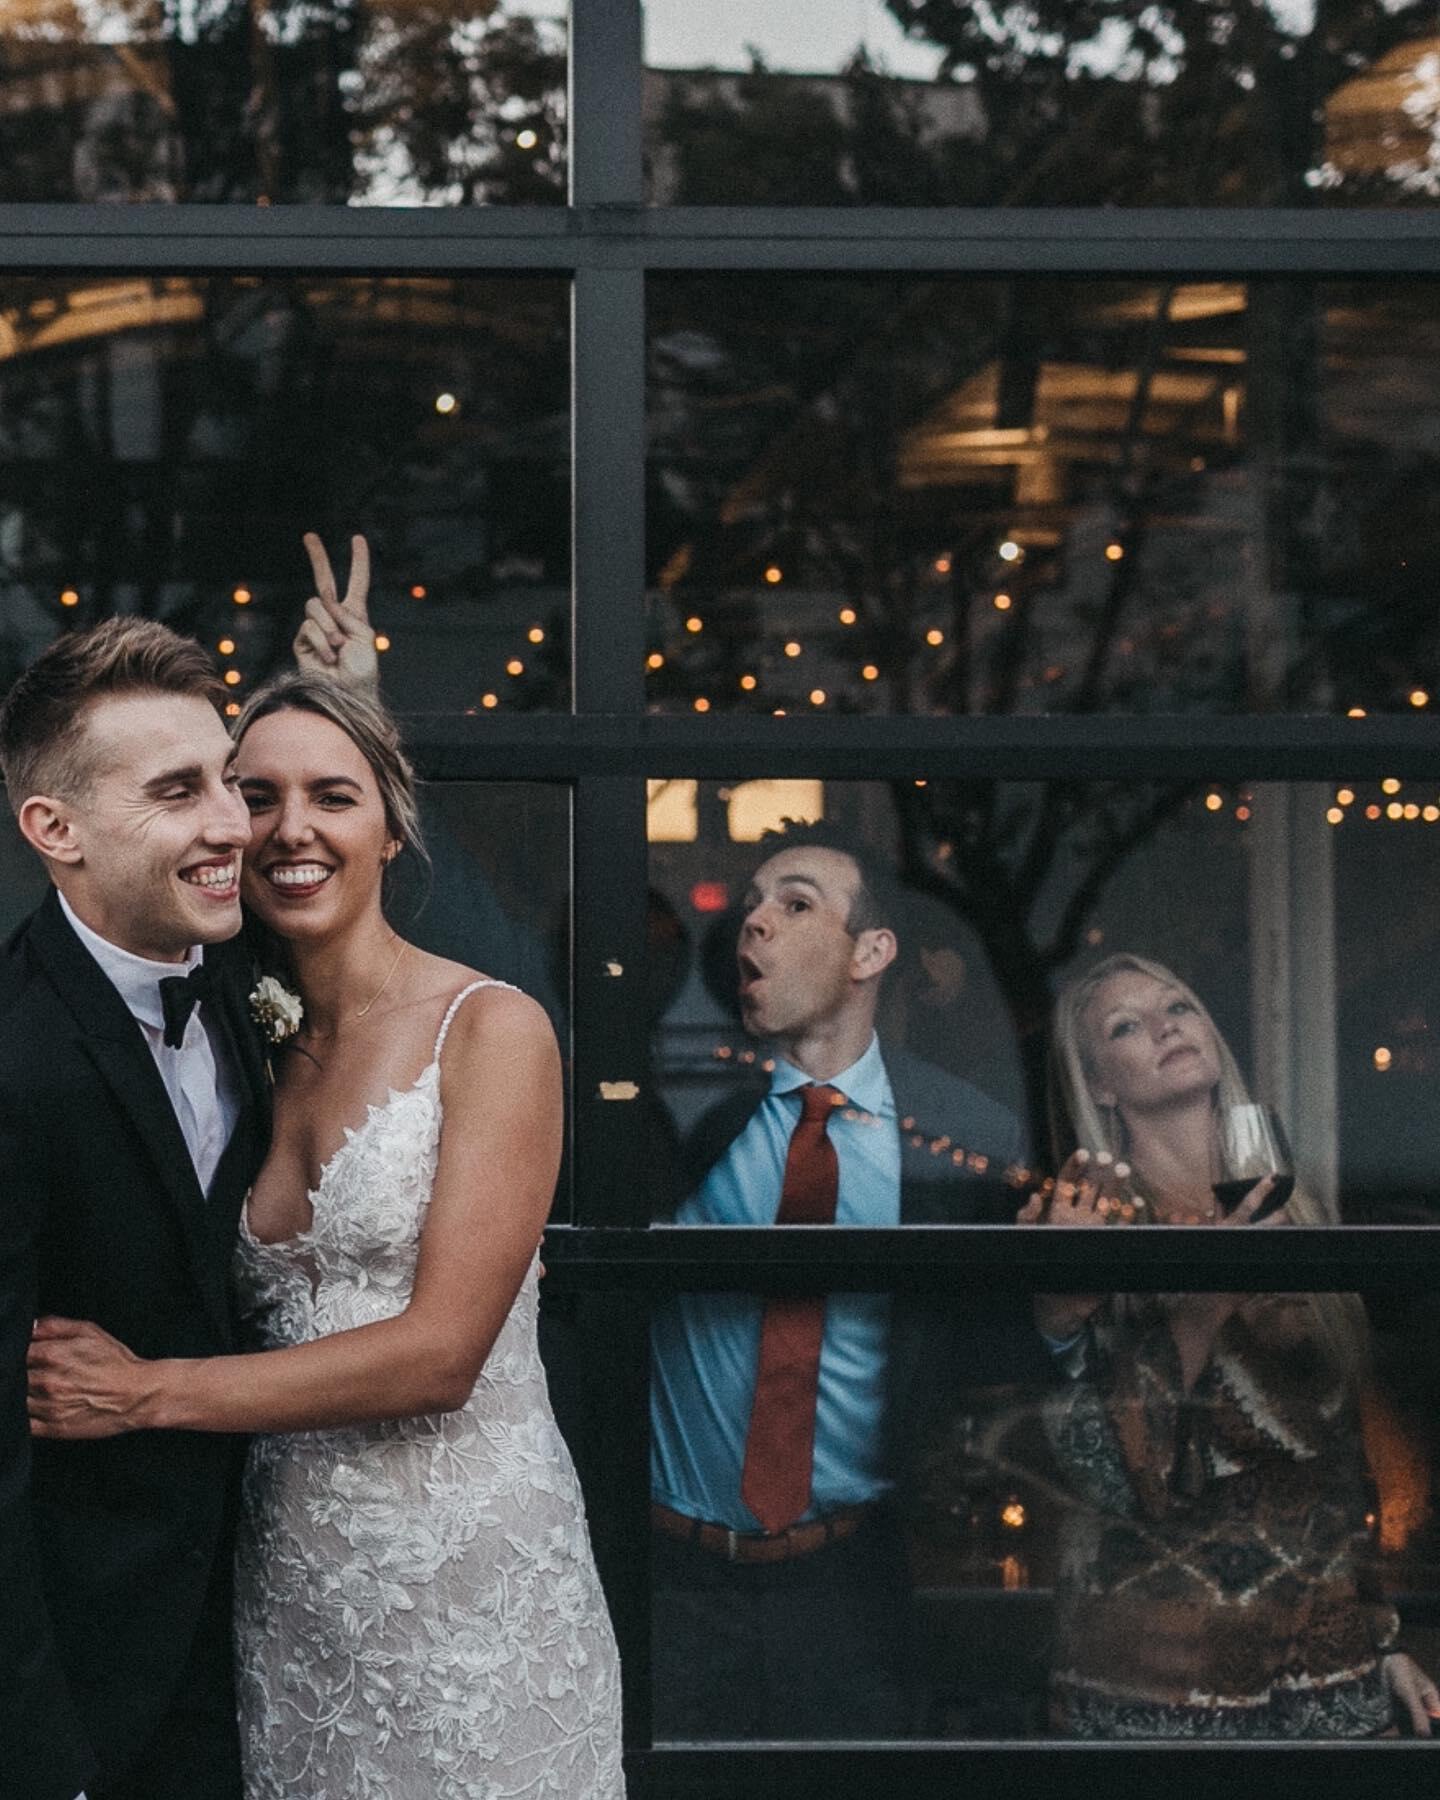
[609,242]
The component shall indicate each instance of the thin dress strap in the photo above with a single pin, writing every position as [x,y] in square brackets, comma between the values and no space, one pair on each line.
[454,1006]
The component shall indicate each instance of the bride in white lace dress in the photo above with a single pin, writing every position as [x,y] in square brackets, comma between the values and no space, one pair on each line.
[418,1612]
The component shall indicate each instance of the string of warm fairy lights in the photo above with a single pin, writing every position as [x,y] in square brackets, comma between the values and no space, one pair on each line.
[1010,552]
[793,648]
[233,675]
[934,1143]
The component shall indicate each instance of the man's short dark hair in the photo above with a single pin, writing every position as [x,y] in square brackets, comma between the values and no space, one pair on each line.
[42,722]
[877,900]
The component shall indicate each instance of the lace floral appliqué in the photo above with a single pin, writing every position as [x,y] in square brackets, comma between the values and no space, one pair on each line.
[418,1613]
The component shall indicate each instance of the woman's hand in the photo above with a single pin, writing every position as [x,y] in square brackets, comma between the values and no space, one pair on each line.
[1087,1191]
[85,1383]
[1244,1213]
[1412,1691]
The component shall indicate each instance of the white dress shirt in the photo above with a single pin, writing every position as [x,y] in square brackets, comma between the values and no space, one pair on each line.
[198,1077]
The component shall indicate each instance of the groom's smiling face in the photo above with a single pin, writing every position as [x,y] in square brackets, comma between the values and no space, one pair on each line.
[157,829]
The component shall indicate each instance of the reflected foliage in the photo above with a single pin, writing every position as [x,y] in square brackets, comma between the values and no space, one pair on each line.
[165,441]
[762,139]
[419,102]
[992,497]
[1050,102]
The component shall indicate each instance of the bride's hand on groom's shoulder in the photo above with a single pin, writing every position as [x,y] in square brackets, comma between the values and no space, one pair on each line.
[83,1382]
[336,637]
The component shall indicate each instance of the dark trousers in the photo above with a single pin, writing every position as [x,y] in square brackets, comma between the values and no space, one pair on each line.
[816,1647]
[194,1751]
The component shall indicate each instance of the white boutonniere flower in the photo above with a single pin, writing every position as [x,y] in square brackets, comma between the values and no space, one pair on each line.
[275,1009]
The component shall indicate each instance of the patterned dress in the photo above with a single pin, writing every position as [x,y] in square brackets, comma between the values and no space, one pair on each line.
[418,1613]
[1214,1567]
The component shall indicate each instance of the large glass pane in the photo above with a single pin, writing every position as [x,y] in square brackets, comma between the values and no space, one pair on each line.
[948,956]
[948,496]
[165,441]
[945,102]
[445,103]
[1201,1517]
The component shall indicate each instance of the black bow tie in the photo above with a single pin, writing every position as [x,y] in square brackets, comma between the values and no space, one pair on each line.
[180,995]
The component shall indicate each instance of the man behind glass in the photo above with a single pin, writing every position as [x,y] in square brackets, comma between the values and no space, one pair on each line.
[767,1624]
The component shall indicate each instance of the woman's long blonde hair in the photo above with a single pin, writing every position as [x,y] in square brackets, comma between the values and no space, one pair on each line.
[1077,1119]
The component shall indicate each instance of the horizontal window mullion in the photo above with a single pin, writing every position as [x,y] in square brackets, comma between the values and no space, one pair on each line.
[1041,241]
[1022,1768]
[941,1259]
[1094,746]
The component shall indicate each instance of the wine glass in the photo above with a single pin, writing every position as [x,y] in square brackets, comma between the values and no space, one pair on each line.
[1254,1145]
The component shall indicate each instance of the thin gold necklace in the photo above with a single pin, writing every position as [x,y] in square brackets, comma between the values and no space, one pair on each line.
[404,946]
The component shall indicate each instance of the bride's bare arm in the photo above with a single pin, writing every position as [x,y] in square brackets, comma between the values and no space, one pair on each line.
[499,1155]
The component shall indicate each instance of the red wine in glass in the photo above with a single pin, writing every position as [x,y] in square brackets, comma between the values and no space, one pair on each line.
[1254,1145]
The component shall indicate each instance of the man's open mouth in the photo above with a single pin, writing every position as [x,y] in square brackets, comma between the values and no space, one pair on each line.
[213,877]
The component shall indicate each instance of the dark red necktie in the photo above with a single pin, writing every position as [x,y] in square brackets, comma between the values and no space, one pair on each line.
[780,1443]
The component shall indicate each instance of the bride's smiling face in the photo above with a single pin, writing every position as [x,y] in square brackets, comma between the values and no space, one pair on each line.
[320,839]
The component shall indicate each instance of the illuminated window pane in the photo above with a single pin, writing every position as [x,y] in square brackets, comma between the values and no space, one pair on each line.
[756,807]
[672,812]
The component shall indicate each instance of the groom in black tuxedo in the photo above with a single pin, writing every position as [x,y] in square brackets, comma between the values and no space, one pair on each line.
[134,1113]
[133,1116]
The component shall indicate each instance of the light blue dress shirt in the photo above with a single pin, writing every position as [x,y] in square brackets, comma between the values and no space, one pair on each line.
[706,1346]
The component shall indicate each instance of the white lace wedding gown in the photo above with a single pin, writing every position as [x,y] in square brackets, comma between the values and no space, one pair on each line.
[418,1613]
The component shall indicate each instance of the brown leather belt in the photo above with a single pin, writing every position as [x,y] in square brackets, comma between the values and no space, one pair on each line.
[760,1546]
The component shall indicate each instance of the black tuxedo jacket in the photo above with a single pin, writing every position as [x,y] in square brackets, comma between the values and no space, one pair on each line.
[956,1147]
[106,1549]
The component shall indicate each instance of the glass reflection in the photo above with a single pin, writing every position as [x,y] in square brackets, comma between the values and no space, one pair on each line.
[1213,1565]
[927,496]
[1067,1540]
[283,101]
[165,441]
[809,1627]
[943,102]
[1290,910]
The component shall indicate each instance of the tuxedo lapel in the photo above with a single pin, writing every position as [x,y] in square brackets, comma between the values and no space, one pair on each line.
[115,1044]
[232,964]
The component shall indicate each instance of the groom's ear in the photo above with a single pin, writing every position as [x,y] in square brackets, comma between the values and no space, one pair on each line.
[48,826]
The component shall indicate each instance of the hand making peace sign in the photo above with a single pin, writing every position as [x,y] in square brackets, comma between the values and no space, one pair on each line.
[336,637]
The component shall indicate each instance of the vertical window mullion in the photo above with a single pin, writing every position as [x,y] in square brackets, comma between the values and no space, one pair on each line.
[612,1102]
[608,460]
[605,123]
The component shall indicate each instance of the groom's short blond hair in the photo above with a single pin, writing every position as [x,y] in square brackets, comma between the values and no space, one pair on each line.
[42,722]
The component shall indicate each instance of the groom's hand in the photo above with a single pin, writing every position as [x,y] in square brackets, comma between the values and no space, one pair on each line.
[83,1382]
[336,637]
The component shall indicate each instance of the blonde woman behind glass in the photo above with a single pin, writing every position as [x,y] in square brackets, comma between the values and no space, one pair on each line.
[1214,1575]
